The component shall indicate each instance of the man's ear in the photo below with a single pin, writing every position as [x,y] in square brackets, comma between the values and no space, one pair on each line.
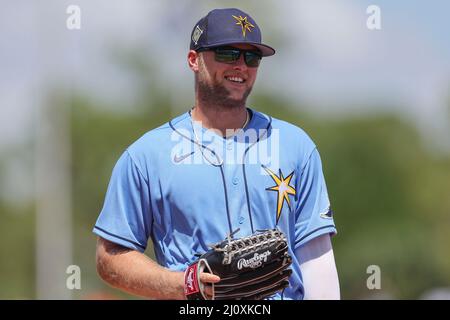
[193,58]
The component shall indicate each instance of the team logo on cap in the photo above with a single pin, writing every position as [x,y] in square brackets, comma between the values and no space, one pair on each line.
[244,23]
[196,35]
[282,187]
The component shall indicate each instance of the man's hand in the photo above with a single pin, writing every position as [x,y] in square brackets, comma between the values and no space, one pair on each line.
[252,267]
[207,279]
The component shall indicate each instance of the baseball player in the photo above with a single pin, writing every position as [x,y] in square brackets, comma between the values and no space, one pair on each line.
[220,169]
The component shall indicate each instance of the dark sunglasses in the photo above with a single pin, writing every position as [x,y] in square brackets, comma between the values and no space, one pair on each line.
[252,58]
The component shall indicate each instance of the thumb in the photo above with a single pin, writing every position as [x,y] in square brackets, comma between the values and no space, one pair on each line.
[209,277]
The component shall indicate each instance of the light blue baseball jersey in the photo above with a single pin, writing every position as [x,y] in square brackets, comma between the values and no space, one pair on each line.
[186,187]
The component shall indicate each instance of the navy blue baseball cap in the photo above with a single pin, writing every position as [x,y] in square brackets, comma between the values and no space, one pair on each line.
[227,27]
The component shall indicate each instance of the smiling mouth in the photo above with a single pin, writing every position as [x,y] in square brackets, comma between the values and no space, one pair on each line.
[235,79]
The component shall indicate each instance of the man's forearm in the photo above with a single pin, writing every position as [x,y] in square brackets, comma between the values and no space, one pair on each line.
[318,268]
[320,278]
[135,273]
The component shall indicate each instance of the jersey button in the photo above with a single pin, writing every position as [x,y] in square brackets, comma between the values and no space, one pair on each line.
[235,180]
[241,220]
[230,145]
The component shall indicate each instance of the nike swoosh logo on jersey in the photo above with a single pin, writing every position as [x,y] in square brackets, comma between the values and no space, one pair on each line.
[178,159]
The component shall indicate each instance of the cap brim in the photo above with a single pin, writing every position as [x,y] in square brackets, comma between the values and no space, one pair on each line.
[266,50]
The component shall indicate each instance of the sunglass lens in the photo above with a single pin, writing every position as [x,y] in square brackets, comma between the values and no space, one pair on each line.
[230,55]
[252,59]
[227,55]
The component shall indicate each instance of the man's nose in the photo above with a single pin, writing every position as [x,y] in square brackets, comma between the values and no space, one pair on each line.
[240,64]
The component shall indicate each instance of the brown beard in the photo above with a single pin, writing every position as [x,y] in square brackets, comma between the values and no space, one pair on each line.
[217,96]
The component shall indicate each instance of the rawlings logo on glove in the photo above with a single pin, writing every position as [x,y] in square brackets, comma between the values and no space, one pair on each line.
[254,262]
[253,267]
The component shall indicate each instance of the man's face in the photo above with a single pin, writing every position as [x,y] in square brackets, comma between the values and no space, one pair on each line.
[226,84]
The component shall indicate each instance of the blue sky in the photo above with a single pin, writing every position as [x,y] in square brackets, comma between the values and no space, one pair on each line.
[431,17]
[326,57]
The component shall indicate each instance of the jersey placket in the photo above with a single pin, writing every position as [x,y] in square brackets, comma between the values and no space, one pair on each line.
[236,187]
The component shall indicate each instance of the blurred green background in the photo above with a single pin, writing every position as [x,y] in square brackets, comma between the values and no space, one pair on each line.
[388,184]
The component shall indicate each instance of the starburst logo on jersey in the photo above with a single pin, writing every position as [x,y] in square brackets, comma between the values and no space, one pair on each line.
[283,187]
[244,23]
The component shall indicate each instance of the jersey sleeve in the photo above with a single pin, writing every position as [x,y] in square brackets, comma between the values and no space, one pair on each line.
[313,215]
[126,218]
